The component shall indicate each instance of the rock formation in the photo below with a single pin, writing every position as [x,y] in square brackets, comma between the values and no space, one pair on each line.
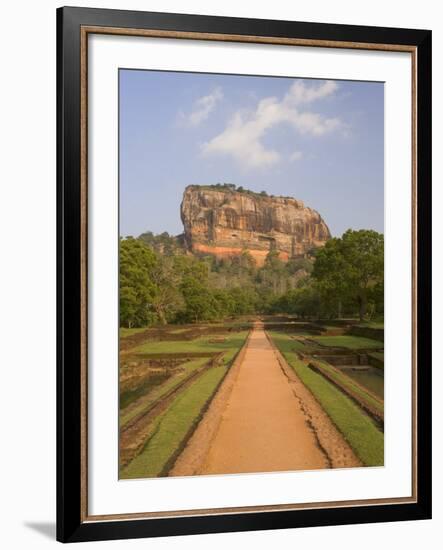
[224,221]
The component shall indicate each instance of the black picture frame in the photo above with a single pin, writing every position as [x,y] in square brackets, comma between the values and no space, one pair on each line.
[71,525]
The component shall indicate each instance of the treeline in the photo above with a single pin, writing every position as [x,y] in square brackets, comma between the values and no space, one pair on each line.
[159,283]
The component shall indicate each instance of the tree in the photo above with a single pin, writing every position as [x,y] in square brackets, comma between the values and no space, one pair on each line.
[164,243]
[167,299]
[247,262]
[273,274]
[328,273]
[307,302]
[159,282]
[350,267]
[297,264]
[137,262]
[244,300]
[200,302]
[304,302]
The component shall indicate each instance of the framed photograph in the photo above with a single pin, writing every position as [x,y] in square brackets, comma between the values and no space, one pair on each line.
[244,269]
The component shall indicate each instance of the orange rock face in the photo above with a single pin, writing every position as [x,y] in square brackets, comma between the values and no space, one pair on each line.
[225,222]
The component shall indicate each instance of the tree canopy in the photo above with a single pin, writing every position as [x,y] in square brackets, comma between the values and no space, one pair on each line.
[161,283]
[351,267]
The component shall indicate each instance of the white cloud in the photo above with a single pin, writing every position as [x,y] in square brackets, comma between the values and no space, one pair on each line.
[243,135]
[299,93]
[203,107]
[296,155]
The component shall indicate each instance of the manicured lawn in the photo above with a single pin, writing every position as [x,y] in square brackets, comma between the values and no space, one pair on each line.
[130,395]
[349,342]
[172,427]
[372,324]
[159,391]
[349,383]
[286,341]
[356,427]
[230,346]
[124,332]
[330,327]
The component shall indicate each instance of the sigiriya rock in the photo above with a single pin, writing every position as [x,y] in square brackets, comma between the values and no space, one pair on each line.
[225,221]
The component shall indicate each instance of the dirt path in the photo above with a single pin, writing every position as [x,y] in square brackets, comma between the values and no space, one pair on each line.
[263,426]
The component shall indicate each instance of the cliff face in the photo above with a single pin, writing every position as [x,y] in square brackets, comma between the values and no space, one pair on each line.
[225,222]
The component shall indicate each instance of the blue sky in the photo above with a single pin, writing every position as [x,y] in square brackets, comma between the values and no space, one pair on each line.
[316,140]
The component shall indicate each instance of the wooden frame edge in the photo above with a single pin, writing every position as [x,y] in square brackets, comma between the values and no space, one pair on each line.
[251,39]
[68,19]
[85,31]
[249,509]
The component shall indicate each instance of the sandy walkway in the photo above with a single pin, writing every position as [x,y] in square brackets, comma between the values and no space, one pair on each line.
[263,427]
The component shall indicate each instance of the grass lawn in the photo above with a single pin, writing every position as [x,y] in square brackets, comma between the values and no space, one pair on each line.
[287,342]
[356,427]
[230,346]
[124,332]
[349,383]
[172,427]
[128,396]
[372,324]
[349,342]
[159,391]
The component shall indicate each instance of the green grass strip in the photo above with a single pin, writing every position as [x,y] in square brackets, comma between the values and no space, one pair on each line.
[350,384]
[172,427]
[203,343]
[372,324]
[356,427]
[349,342]
[130,396]
[125,332]
[157,393]
[286,342]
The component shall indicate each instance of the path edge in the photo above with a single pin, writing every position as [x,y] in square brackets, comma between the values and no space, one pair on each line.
[191,459]
[311,404]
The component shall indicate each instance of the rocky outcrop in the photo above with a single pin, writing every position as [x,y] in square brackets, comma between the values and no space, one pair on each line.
[223,221]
